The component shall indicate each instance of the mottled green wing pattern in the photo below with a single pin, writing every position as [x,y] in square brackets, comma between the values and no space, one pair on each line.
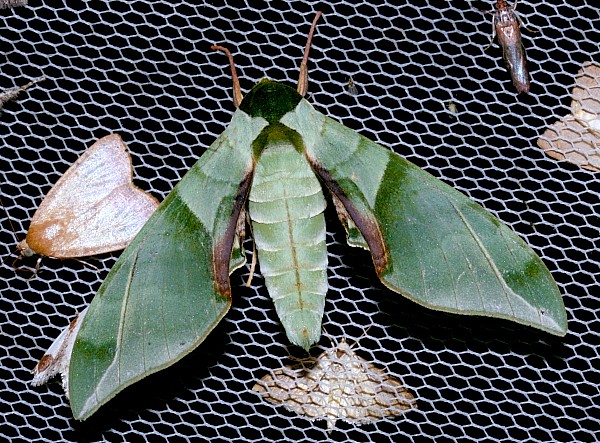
[170,287]
[428,241]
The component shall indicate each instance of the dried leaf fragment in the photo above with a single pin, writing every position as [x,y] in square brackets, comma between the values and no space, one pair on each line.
[576,137]
[337,385]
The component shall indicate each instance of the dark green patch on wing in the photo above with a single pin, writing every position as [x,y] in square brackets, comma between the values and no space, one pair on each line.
[445,251]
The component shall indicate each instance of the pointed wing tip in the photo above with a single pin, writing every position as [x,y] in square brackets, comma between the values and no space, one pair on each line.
[559,333]
[258,388]
[82,416]
[39,378]
[559,328]
[555,324]
[552,318]
[84,408]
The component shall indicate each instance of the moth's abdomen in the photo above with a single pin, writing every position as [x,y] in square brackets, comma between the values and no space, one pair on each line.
[286,207]
[516,62]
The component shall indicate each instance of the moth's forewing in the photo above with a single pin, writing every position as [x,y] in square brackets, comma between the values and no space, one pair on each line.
[93,208]
[170,287]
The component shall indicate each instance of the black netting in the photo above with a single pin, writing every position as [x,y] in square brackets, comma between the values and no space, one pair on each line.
[144,69]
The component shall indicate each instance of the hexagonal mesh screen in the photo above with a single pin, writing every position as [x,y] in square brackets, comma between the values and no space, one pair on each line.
[426,89]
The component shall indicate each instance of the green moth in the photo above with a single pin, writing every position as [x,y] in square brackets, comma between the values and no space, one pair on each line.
[171,287]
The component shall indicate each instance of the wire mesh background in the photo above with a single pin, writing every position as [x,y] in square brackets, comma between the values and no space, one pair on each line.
[144,69]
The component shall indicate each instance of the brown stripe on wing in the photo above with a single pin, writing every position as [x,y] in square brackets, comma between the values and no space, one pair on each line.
[224,243]
[364,221]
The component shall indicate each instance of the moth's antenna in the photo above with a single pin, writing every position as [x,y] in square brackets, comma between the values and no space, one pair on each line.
[33,82]
[8,218]
[18,250]
[237,91]
[303,80]
[12,228]
[361,336]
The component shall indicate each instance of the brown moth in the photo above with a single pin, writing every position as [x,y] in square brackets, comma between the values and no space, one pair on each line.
[576,137]
[92,209]
[337,385]
[506,25]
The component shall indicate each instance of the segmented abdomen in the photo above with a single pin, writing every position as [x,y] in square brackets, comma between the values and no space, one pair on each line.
[286,207]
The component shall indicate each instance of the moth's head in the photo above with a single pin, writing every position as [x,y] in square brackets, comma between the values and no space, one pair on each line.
[270,100]
[24,250]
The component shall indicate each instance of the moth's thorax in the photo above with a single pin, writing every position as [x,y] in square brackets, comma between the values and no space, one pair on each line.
[274,135]
[505,18]
[270,100]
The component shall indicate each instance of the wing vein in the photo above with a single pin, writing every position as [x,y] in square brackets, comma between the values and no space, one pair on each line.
[124,306]
[487,256]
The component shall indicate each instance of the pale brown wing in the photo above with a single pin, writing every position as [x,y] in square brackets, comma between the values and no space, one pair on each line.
[573,140]
[94,207]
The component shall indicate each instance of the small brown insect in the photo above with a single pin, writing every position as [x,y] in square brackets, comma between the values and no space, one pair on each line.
[337,385]
[505,24]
